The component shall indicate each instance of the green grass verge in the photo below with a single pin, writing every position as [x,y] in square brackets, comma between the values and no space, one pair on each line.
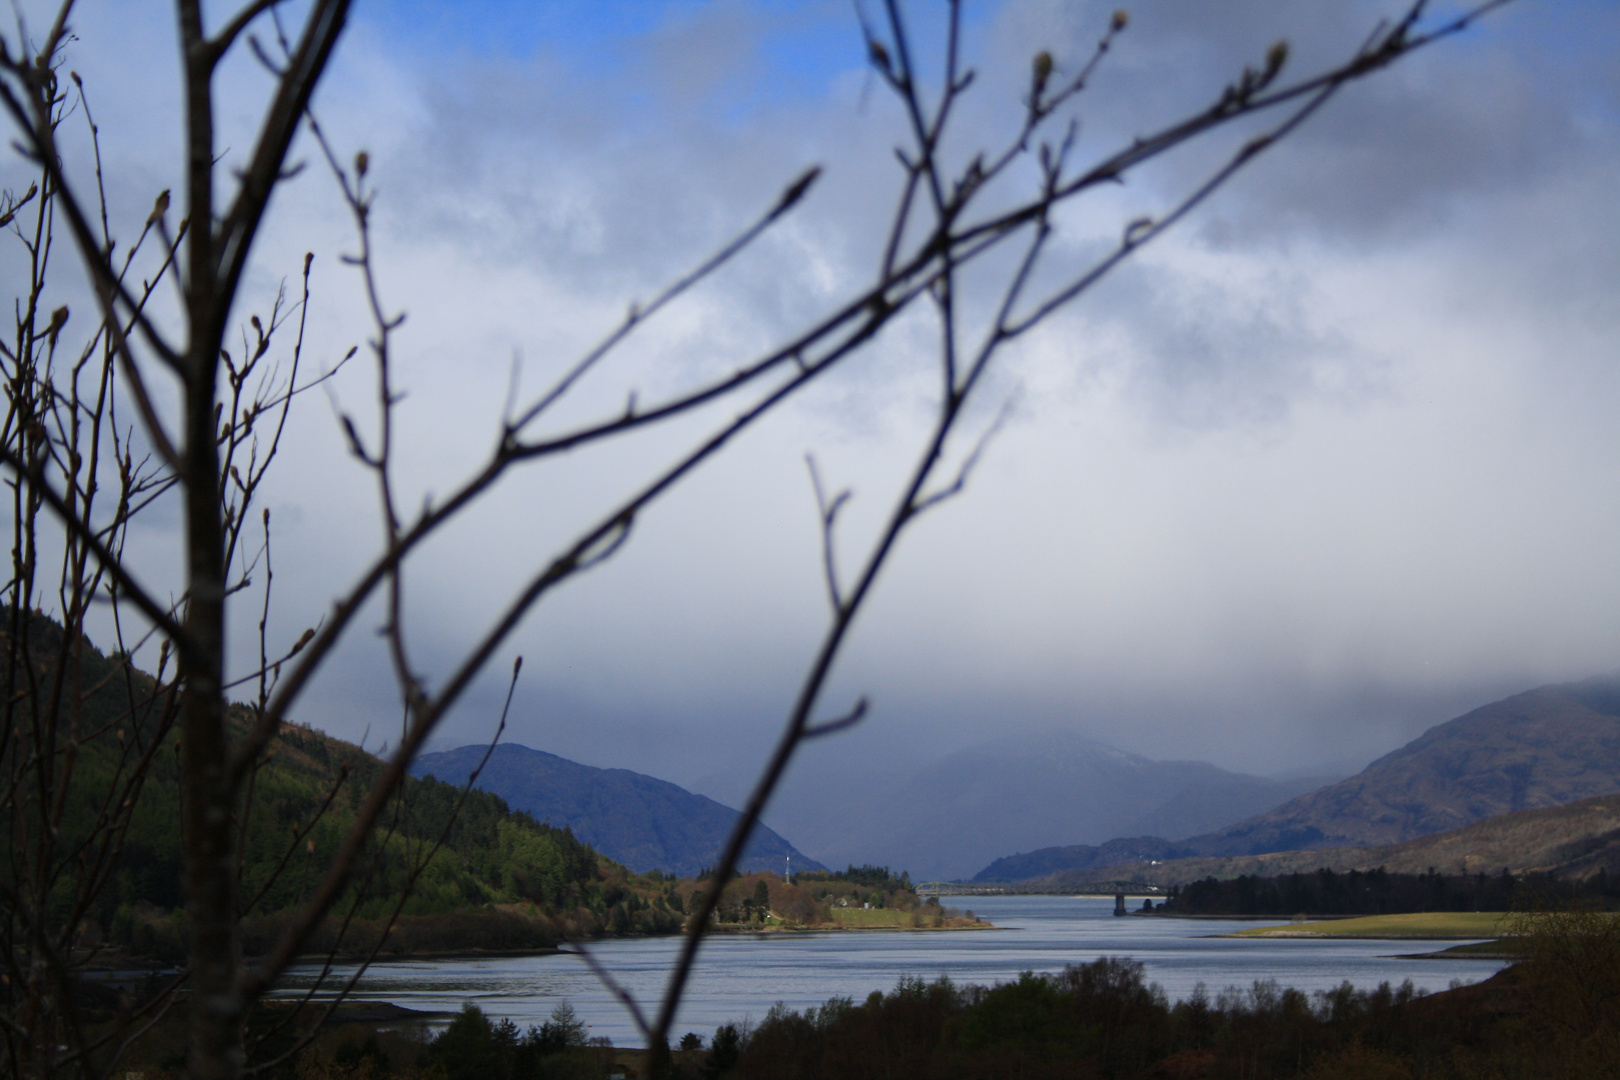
[1432,925]
[1503,947]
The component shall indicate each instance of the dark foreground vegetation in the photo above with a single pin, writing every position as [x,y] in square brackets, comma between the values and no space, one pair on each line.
[473,1046]
[1102,1020]
[1378,892]
[1556,1014]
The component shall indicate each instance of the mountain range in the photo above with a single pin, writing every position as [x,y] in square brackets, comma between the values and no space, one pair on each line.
[1576,840]
[1542,748]
[1069,804]
[947,819]
[638,820]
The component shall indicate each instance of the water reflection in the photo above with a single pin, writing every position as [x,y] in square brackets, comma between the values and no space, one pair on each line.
[739,977]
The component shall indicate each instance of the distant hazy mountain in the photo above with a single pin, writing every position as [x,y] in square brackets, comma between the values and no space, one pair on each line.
[947,820]
[1078,858]
[1576,840]
[1544,747]
[643,822]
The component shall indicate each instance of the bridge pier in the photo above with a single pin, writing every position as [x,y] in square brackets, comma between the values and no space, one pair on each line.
[1119,903]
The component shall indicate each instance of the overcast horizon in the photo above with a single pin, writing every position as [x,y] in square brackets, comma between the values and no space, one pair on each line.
[1333,462]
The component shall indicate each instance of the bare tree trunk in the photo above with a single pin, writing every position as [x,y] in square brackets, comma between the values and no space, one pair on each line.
[209,802]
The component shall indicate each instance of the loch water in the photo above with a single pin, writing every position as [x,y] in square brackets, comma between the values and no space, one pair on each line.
[739,977]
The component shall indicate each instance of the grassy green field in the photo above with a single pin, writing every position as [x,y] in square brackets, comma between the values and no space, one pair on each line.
[1430,925]
[872,918]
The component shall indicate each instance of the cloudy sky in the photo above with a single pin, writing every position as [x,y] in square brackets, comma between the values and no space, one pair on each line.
[1332,462]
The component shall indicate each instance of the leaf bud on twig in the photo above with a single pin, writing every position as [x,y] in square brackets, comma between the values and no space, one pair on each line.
[795,191]
[1042,70]
[1276,57]
[878,54]
[59,319]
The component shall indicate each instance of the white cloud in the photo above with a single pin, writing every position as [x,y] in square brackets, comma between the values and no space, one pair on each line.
[1331,461]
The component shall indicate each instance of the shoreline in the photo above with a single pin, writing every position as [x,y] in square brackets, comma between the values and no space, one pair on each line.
[1305,936]
[1462,926]
[834,928]
[379,1012]
[1459,952]
[1237,918]
[147,967]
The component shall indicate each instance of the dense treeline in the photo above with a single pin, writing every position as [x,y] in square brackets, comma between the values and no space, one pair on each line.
[1102,1020]
[1379,892]
[868,876]
[473,1047]
[865,886]
[474,873]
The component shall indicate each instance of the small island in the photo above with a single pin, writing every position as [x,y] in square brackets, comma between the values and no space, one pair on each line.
[863,898]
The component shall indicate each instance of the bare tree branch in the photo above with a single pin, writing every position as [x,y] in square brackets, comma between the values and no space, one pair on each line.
[76,482]
[828,513]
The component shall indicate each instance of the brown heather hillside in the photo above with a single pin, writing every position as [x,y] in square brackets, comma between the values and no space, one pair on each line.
[1545,747]
[1573,841]
[1542,748]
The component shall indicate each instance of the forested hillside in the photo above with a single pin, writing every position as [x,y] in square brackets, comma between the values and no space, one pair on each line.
[471,872]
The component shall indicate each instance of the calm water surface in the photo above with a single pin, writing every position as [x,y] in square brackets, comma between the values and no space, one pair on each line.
[740,977]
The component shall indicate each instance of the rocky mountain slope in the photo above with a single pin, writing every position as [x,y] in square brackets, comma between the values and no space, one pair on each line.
[638,820]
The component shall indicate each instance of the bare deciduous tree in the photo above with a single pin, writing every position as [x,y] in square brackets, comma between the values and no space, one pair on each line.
[164,399]
[1571,971]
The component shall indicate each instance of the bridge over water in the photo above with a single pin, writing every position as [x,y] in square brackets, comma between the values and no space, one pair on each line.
[1094,888]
